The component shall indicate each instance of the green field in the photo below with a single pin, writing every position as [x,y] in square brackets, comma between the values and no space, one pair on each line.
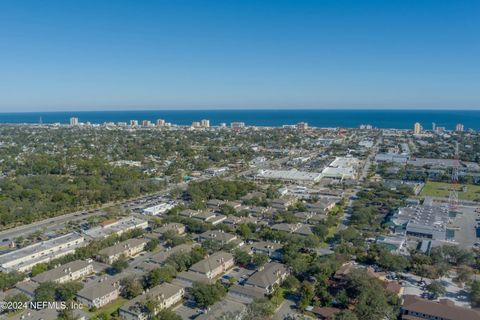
[110,308]
[442,189]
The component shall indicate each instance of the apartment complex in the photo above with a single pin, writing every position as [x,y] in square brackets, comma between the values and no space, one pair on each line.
[126,248]
[68,272]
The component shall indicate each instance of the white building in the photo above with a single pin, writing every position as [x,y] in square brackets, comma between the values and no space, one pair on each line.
[215,172]
[68,272]
[158,209]
[25,258]
[103,292]
[128,248]
[117,227]
[341,168]
[293,175]
[164,295]
[205,123]
[74,121]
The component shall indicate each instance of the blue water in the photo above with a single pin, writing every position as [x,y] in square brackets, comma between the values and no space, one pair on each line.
[401,119]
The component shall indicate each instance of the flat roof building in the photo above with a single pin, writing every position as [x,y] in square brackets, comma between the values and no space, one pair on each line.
[341,168]
[25,258]
[423,221]
[293,175]
[117,227]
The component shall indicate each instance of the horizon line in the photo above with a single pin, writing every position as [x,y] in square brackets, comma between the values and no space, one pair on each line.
[254,109]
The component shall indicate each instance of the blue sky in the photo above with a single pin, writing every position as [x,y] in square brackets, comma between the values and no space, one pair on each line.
[82,55]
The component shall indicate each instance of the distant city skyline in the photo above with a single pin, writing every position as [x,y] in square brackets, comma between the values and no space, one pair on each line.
[204,55]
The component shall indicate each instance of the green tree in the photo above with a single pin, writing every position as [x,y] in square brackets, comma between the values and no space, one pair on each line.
[39,268]
[167,314]
[159,276]
[241,257]
[207,294]
[345,315]
[119,265]
[66,291]
[307,293]
[131,287]
[46,292]
[474,293]
[436,288]
[152,244]
[259,259]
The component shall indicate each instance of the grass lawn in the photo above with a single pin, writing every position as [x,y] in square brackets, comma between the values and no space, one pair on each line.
[110,308]
[442,189]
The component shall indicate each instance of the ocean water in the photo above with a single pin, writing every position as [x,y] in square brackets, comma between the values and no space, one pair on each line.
[401,119]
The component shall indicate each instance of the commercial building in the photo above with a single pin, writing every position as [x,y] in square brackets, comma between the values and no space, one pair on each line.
[215,172]
[341,168]
[68,272]
[459,127]
[101,293]
[392,157]
[160,122]
[164,296]
[158,209]
[128,248]
[272,249]
[416,308]
[293,176]
[117,227]
[422,221]
[25,258]
[205,123]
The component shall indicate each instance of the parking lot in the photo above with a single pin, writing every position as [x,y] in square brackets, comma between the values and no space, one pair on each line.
[454,292]
[466,235]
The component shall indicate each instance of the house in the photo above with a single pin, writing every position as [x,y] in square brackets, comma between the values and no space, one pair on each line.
[126,248]
[271,249]
[268,278]
[215,203]
[214,265]
[416,308]
[224,309]
[283,203]
[297,228]
[164,295]
[162,256]
[188,213]
[322,205]
[244,294]
[325,313]
[217,235]
[178,228]
[102,292]
[68,272]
